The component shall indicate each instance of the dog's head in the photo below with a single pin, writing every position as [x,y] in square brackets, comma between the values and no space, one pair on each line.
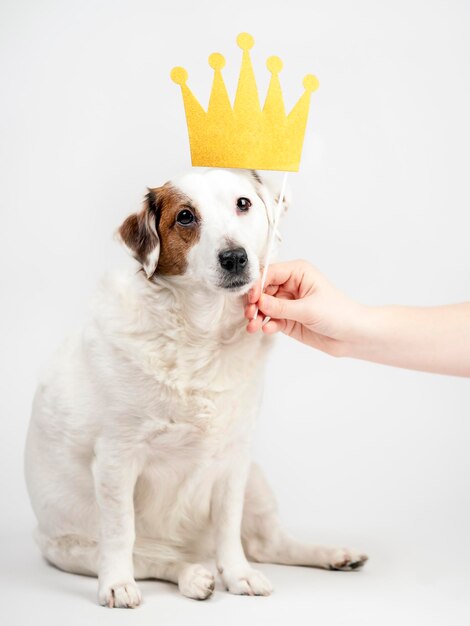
[211,226]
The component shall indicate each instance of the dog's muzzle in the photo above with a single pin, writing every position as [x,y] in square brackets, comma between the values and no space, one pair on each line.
[234,265]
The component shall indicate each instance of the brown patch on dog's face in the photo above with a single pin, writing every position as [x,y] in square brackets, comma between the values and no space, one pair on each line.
[176,239]
[158,236]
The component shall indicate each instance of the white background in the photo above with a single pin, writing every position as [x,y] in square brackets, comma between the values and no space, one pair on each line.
[358,453]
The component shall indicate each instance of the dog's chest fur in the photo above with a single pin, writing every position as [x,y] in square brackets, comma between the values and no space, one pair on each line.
[183,357]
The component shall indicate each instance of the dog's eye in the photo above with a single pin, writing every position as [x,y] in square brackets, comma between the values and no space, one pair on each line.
[185,217]
[243,204]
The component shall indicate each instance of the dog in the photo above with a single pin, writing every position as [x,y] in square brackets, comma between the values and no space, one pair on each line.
[137,457]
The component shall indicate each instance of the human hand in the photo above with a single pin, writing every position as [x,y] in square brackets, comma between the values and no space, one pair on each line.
[301,303]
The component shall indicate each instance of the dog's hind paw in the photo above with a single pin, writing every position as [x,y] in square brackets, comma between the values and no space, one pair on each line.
[346,560]
[196,582]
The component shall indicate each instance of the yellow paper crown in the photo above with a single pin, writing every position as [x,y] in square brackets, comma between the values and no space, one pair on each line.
[245,136]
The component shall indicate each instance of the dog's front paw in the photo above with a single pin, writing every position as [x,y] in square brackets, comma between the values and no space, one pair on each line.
[246,582]
[346,560]
[196,582]
[119,595]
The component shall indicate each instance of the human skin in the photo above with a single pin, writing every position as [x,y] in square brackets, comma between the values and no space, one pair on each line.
[300,302]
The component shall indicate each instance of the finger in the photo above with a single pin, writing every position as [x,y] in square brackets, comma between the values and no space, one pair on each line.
[253,326]
[271,290]
[250,311]
[274,326]
[280,273]
[254,293]
[281,308]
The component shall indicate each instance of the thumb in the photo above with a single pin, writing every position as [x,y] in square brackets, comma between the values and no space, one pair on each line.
[280,308]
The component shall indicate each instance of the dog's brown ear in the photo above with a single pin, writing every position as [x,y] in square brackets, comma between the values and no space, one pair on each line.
[139,233]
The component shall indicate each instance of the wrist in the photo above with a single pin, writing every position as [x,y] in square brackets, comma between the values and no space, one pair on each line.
[364,332]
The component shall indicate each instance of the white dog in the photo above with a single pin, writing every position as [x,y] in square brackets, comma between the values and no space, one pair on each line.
[138,453]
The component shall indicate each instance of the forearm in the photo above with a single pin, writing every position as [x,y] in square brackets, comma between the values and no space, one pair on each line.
[433,339]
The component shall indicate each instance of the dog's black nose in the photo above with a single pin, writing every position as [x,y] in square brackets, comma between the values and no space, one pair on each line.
[234,260]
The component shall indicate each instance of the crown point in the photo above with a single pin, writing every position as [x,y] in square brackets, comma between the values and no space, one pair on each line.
[179,75]
[274,65]
[310,83]
[216,61]
[245,41]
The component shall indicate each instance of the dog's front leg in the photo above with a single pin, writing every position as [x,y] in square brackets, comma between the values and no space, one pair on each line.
[227,506]
[115,473]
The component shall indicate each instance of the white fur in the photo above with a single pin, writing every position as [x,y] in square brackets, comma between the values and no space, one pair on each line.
[137,457]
